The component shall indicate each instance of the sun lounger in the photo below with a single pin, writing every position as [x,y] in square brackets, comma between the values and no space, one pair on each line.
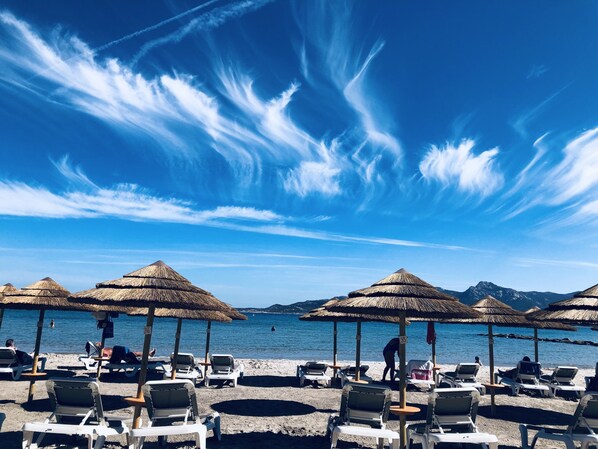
[10,365]
[419,373]
[78,411]
[465,375]
[364,412]
[451,418]
[583,427]
[561,379]
[347,374]
[131,369]
[313,372]
[526,377]
[88,359]
[224,368]
[186,367]
[169,402]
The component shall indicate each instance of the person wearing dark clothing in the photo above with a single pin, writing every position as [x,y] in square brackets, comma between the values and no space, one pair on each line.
[593,382]
[389,357]
[22,357]
[124,354]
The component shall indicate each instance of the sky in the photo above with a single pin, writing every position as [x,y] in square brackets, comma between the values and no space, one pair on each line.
[281,151]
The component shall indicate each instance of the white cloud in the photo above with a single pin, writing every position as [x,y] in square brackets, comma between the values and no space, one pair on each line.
[316,177]
[460,167]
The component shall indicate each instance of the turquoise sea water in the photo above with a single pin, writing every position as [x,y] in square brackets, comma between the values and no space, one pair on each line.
[295,339]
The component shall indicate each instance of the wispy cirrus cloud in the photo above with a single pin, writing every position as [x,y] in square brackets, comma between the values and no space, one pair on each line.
[83,199]
[458,166]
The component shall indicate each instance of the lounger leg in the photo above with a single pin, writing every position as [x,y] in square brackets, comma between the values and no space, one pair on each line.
[380,443]
[27,440]
[217,431]
[334,438]
[524,439]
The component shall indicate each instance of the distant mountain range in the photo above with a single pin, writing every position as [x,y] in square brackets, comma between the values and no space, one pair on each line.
[516,299]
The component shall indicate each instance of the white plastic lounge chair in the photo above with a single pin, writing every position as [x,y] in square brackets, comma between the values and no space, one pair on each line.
[186,367]
[10,365]
[87,359]
[169,402]
[313,372]
[224,368]
[347,374]
[419,373]
[364,412]
[582,428]
[465,375]
[526,378]
[131,369]
[561,379]
[451,419]
[78,411]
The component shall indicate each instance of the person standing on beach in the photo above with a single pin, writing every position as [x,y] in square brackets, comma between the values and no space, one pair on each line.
[389,358]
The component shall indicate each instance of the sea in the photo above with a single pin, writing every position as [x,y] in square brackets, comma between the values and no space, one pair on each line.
[298,340]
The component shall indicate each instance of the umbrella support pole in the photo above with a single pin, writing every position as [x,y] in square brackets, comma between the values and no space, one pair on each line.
[491,359]
[358,352]
[334,349]
[38,339]
[536,355]
[435,372]
[177,341]
[144,359]
[208,332]
[403,378]
[101,354]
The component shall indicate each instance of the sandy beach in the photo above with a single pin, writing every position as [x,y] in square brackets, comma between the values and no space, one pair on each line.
[268,409]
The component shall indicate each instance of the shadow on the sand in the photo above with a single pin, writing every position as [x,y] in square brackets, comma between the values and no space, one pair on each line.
[109,402]
[118,377]
[526,415]
[263,407]
[270,381]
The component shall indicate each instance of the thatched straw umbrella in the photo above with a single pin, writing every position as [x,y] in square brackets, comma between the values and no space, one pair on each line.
[41,295]
[151,287]
[181,314]
[323,314]
[404,295]
[580,310]
[6,288]
[535,324]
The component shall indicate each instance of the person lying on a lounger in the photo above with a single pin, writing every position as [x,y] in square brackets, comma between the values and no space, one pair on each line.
[120,354]
[511,373]
[22,357]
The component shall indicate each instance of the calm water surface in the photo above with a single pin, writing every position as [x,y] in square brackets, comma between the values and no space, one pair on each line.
[295,339]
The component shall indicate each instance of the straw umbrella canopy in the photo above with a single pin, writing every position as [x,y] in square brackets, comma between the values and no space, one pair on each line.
[6,288]
[323,314]
[154,286]
[41,295]
[535,324]
[580,310]
[185,314]
[404,295]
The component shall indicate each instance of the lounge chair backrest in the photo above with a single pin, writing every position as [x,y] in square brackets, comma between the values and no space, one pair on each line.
[564,374]
[222,363]
[170,399]
[91,349]
[528,370]
[365,404]
[75,398]
[453,407]
[420,369]
[315,368]
[184,361]
[8,357]
[351,370]
[467,370]
[585,418]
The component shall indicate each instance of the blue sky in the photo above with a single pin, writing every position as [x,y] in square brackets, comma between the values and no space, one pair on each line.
[276,151]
